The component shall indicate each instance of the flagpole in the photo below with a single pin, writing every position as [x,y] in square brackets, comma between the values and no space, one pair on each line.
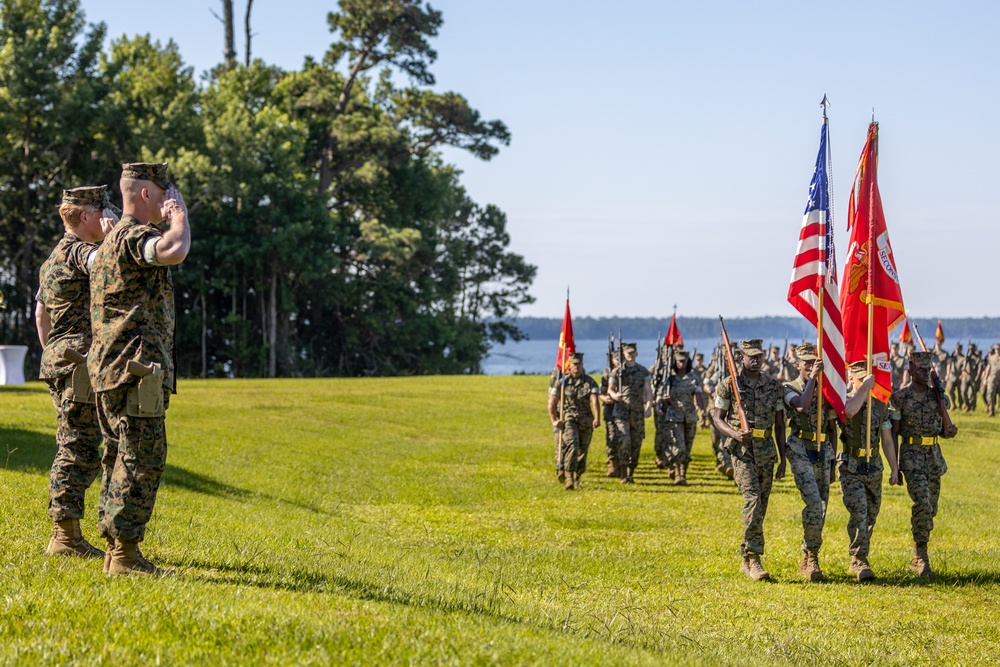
[871,295]
[562,381]
[819,303]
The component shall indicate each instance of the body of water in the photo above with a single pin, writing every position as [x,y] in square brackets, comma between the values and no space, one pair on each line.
[539,356]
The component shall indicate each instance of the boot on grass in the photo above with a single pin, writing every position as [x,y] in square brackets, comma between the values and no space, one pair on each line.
[680,477]
[921,563]
[809,568]
[127,559]
[860,568]
[67,540]
[576,479]
[753,569]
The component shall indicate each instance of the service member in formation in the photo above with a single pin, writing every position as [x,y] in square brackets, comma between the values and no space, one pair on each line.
[773,365]
[969,379]
[753,449]
[703,373]
[629,388]
[918,424]
[940,359]
[679,416]
[62,316]
[992,380]
[953,378]
[898,366]
[610,438]
[861,465]
[578,421]
[811,451]
[131,359]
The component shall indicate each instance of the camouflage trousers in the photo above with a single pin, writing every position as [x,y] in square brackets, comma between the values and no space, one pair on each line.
[969,394]
[813,483]
[754,482]
[78,456]
[135,454]
[992,389]
[674,440]
[952,388]
[610,436]
[863,499]
[630,430]
[924,488]
[576,437]
[722,455]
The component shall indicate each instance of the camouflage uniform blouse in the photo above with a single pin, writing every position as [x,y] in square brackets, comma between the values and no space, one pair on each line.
[919,417]
[682,406]
[576,396]
[64,292]
[629,381]
[762,400]
[132,308]
[805,421]
[852,435]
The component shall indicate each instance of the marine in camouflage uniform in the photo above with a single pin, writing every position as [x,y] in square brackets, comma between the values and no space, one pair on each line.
[576,420]
[678,418]
[132,312]
[724,462]
[940,359]
[861,466]
[608,407]
[952,379]
[898,366]
[704,419]
[992,380]
[753,449]
[629,388]
[773,365]
[918,425]
[811,452]
[969,379]
[62,314]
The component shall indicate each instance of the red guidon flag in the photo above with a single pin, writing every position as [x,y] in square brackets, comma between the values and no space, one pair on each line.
[939,334]
[814,272]
[673,333]
[905,336]
[870,276]
[567,345]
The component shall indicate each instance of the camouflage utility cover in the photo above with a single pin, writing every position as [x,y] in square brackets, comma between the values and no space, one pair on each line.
[132,308]
[64,292]
[146,171]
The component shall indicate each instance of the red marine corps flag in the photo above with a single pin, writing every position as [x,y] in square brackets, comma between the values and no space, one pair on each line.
[813,290]
[567,345]
[872,302]
[939,334]
[905,337]
[673,333]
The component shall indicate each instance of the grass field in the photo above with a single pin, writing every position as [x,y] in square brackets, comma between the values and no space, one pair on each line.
[418,521]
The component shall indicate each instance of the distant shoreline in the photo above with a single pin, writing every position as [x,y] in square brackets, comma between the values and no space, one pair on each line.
[956,330]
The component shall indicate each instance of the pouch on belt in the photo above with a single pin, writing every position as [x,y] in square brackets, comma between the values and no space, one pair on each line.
[146,398]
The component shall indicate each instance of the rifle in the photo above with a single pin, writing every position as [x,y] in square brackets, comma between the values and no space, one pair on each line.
[731,363]
[784,361]
[668,379]
[946,422]
[621,362]
[657,370]
[611,353]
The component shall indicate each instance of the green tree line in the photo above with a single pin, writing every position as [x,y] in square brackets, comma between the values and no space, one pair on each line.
[330,237]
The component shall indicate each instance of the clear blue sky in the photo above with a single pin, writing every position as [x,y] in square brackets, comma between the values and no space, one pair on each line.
[662,151]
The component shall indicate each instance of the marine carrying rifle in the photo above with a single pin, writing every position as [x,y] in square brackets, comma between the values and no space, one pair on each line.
[946,423]
[731,363]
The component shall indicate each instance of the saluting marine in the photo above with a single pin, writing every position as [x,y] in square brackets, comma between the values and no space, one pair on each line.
[62,316]
[131,361]
[578,419]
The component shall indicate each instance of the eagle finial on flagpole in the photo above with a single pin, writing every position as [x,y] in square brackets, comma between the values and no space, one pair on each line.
[825,104]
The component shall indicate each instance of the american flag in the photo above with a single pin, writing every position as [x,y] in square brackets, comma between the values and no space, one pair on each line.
[814,269]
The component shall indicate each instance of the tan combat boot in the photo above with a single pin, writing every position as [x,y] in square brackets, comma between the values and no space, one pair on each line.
[682,479]
[67,540]
[576,480]
[860,568]
[613,469]
[921,563]
[561,476]
[809,568]
[627,476]
[569,481]
[127,559]
[107,554]
[753,569]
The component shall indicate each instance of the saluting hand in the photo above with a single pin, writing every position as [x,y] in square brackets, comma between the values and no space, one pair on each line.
[174,206]
[108,221]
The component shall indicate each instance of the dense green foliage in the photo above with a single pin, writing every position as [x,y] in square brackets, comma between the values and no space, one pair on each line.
[418,521]
[329,236]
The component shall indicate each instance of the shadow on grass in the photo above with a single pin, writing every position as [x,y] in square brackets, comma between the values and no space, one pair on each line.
[27,451]
[186,479]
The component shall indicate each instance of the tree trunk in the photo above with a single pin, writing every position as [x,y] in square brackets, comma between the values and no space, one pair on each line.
[272,333]
[246,27]
[229,53]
